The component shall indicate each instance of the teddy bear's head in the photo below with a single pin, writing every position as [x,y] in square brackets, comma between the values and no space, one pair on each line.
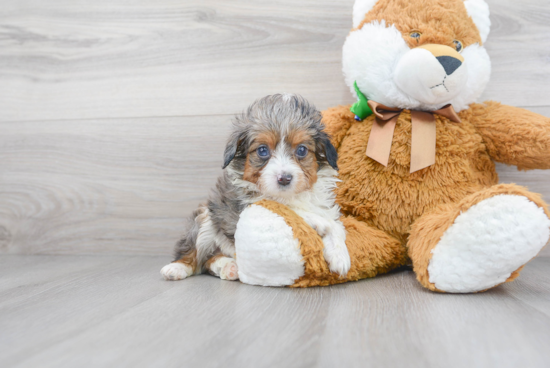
[418,54]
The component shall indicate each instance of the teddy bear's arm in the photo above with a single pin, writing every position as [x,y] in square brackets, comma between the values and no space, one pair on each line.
[337,121]
[514,136]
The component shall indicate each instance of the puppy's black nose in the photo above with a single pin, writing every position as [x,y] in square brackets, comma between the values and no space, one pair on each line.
[449,63]
[284,179]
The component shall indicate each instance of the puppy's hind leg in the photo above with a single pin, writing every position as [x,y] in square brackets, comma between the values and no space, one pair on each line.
[223,267]
[193,249]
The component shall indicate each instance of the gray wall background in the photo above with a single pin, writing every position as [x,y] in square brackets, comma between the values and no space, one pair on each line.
[113,114]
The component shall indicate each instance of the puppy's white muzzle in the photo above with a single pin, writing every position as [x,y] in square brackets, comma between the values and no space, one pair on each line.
[432,74]
[280,177]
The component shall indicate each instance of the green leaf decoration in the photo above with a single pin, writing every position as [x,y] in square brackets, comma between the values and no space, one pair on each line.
[361,108]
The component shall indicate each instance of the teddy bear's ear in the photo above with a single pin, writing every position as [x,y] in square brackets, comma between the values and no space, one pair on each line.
[479,11]
[360,9]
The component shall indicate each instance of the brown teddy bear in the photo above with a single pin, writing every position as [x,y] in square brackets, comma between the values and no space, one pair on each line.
[416,157]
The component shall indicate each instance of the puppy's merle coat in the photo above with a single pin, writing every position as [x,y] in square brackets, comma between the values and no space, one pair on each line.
[279,151]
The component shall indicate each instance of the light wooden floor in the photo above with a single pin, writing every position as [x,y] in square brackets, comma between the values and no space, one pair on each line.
[99,311]
[113,117]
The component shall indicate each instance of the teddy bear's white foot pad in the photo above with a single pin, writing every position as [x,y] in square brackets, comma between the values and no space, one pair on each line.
[487,243]
[267,252]
[176,271]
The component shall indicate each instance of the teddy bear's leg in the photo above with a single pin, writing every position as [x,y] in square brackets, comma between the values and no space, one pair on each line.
[480,242]
[267,250]
[276,247]
[372,251]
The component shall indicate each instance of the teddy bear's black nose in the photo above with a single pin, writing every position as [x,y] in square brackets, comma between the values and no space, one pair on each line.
[449,63]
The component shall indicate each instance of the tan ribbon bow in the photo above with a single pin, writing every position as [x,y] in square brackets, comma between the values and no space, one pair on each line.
[423,134]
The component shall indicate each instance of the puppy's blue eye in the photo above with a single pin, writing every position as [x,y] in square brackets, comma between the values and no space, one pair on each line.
[301,151]
[263,151]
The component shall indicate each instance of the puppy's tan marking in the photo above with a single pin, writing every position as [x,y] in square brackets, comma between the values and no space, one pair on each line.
[223,267]
[310,168]
[308,164]
[189,260]
[251,173]
[254,164]
[208,264]
[297,137]
[268,138]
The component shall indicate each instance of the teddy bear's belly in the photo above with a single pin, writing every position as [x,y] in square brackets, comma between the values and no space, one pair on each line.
[390,198]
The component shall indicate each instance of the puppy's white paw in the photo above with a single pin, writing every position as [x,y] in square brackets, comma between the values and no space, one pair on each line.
[176,271]
[225,268]
[337,256]
[230,271]
[318,223]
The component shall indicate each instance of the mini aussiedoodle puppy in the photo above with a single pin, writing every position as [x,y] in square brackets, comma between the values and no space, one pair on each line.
[278,151]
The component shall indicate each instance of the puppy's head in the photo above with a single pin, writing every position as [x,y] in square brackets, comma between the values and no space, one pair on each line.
[279,145]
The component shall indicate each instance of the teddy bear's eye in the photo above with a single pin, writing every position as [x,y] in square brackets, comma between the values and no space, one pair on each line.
[458,45]
[416,35]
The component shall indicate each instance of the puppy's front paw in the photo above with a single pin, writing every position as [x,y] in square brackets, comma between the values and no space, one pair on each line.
[337,256]
[319,224]
[230,271]
[176,271]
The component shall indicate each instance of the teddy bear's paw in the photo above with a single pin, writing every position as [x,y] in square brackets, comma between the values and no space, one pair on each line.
[336,253]
[176,271]
[487,243]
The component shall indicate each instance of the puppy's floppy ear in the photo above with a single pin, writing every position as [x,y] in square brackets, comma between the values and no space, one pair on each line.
[234,147]
[327,151]
[331,154]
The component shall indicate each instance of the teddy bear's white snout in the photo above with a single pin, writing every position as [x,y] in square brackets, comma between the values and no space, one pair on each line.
[431,79]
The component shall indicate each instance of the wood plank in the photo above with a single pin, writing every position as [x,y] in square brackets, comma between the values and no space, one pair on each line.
[31,319]
[536,180]
[126,315]
[105,186]
[73,60]
[118,186]
[68,59]
[398,321]
[520,70]
[533,286]
[23,277]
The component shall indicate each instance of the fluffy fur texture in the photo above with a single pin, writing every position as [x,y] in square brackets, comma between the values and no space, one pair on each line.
[393,217]
[382,57]
[269,255]
[278,151]
[371,250]
[360,8]
[473,256]
[478,10]
[427,232]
